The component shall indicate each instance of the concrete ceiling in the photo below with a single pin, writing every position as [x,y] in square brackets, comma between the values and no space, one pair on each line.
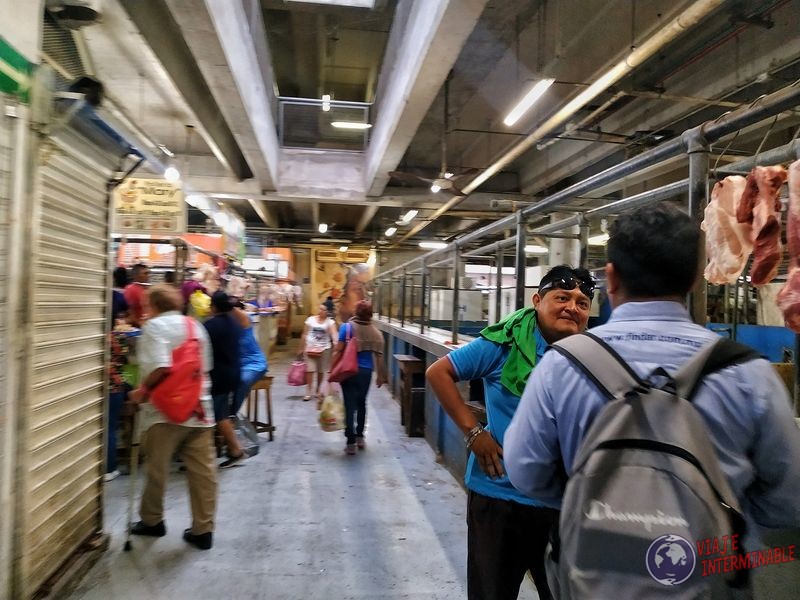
[219,66]
[326,49]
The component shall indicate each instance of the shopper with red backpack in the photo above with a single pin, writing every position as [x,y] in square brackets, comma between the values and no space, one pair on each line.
[177,416]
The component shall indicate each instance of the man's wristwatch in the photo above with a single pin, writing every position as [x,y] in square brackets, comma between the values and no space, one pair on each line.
[473,434]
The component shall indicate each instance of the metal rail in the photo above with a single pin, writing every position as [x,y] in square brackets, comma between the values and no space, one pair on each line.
[710,131]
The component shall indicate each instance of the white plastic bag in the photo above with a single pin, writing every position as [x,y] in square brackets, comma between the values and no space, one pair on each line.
[331,415]
[246,434]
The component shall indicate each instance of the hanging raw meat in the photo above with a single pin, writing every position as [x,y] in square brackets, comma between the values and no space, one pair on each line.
[761,206]
[728,243]
[789,297]
[793,215]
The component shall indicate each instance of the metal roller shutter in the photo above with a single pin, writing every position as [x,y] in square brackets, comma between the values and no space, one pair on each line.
[64,433]
[6,453]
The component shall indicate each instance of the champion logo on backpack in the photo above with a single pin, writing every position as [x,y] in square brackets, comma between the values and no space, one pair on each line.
[671,559]
[601,511]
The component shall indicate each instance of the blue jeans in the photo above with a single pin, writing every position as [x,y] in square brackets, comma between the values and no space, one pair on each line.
[248,378]
[115,402]
[354,391]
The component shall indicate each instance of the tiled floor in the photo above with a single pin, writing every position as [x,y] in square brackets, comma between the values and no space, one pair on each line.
[303,521]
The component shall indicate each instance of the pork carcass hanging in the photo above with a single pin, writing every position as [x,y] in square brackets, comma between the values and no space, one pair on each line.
[789,297]
[728,242]
[760,206]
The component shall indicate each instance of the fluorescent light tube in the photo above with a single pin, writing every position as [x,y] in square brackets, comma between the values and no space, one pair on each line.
[409,215]
[536,92]
[353,3]
[598,240]
[323,227]
[536,250]
[391,231]
[351,125]
[432,245]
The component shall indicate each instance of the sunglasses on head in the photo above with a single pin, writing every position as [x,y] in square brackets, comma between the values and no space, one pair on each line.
[569,283]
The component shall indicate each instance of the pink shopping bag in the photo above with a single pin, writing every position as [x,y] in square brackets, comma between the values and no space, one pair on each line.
[297,373]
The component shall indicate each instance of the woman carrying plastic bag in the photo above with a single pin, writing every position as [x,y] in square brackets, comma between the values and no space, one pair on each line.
[359,330]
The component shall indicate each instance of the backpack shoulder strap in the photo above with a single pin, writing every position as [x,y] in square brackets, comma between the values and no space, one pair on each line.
[600,363]
[713,356]
[190,331]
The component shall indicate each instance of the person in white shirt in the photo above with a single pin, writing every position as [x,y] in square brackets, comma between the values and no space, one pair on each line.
[315,347]
[192,440]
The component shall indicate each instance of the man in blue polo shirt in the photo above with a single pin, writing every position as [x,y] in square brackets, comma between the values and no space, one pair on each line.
[507,531]
[652,265]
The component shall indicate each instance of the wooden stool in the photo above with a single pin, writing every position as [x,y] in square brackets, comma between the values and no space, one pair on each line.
[412,414]
[265,383]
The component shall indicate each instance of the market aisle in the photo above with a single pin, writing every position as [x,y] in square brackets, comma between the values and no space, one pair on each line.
[303,521]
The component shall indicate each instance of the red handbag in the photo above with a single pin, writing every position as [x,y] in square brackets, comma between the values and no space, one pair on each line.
[347,365]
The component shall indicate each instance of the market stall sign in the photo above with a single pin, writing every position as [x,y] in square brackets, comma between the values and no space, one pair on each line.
[149,206]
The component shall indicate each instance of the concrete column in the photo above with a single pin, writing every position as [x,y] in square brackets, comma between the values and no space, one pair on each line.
[403,300]
[458,269]
[423,298]
[521,263]
[565,251]
[584,247]
[498,292]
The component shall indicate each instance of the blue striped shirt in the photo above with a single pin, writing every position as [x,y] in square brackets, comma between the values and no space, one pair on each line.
[746,408]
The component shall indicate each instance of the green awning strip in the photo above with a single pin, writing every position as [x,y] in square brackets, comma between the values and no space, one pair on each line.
[15,71]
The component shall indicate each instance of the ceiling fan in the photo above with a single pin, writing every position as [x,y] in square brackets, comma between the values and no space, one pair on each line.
[447,180]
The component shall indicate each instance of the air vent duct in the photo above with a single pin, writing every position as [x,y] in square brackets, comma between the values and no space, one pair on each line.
[74,14]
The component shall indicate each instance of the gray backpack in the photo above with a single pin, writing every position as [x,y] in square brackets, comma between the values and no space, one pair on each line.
[647,490]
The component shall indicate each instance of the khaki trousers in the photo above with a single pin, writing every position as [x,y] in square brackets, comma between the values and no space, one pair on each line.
[195,446]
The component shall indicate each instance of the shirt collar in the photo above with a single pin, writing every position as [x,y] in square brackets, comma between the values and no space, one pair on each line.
[662,310]
[169,313]
[541,344]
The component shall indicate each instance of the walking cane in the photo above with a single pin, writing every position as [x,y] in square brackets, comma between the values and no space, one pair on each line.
[133,472]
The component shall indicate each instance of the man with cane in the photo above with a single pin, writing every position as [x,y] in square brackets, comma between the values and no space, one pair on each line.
[163,336]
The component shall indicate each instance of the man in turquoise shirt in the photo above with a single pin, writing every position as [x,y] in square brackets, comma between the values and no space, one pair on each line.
[507,531]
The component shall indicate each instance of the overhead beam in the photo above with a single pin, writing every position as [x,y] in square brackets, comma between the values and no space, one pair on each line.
[266,216]
[424,43]
[420,202]
[386,201]
[366,218]
[221,39]
[158,27]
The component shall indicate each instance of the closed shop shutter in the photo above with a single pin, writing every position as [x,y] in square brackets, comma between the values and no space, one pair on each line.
[6,453]
[64,432]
